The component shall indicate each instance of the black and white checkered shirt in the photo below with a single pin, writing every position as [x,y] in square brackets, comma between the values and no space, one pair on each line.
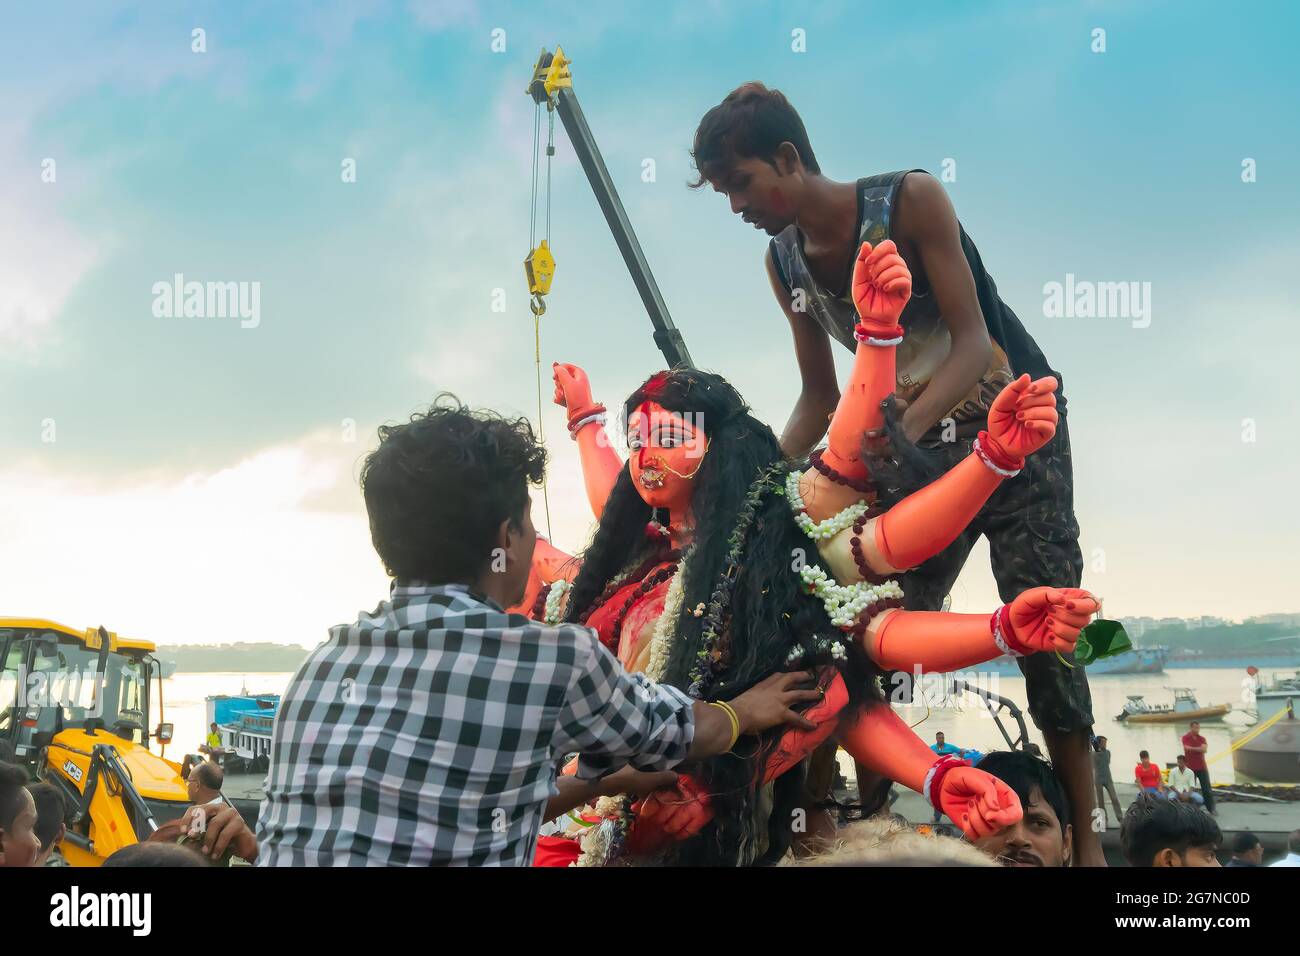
[428,734]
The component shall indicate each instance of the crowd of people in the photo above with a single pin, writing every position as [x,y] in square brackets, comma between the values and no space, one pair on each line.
[1156,831]
[1187,782]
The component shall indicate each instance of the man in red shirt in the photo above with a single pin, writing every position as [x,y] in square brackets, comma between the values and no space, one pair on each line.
[1194,748]
[1147,775]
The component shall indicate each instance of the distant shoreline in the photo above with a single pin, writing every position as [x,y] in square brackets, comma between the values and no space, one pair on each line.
[239,658]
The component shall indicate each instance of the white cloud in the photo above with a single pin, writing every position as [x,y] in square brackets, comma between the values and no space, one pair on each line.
[42,256]
[240,554]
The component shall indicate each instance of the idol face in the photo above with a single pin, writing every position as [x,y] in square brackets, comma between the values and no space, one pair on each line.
[666,451]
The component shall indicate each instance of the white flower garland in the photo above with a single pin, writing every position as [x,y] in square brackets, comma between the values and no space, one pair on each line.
[845,602]
[555,600]
[596,841]
[665,632]
[822,645]
[820,530]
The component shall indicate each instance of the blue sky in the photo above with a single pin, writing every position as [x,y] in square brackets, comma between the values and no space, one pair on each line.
[199,454]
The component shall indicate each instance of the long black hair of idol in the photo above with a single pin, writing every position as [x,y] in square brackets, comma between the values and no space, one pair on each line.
[770,612]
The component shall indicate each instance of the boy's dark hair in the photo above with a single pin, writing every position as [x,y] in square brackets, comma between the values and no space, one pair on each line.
[1143,755]
[1243,842]
[1153,824]
[51,812]
[13,779]
[438,487]
[1023,772]
[750,121]
[156,854]
[210,775]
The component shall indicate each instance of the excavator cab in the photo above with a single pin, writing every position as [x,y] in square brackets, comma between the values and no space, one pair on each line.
[74,709]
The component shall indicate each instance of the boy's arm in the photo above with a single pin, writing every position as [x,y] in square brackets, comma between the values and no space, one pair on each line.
[819,392]
[927,222]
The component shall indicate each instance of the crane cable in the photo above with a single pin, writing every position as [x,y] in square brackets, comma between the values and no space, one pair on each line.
[537,303]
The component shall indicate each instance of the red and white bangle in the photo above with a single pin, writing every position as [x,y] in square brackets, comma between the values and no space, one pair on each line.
[864,334]
[576,426]
[994,459]
[934,777]
[1004,636]
[585,416]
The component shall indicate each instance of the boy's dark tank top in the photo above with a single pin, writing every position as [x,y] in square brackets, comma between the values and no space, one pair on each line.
[926,341]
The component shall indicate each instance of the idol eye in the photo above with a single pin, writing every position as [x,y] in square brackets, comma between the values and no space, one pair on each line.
[670,438]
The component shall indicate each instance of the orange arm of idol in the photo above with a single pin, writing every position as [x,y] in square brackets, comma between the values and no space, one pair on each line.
[549,564]
[881,287]
[978,802]
[600,462]
[677,813]
[552,564]
[1040,619]
[1022,420]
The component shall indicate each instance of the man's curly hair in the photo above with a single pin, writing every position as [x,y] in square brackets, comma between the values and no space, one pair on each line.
[438,487]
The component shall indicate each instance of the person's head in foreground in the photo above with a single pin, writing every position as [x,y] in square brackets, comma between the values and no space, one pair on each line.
[447,496]
[753,147]
[51,809]
[1247,850]
[155,854]
[19,844]
[1043,836]
[1159,832]
[887,840]
[204,783]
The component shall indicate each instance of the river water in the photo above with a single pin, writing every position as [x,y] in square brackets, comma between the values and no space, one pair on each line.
[963,721]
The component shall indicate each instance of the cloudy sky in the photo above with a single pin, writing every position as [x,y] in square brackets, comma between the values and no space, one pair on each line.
[192,480]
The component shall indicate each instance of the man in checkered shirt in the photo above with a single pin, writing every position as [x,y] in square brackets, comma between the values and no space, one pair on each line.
[428,732]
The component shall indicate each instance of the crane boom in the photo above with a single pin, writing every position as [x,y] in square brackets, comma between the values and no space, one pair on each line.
[552,85]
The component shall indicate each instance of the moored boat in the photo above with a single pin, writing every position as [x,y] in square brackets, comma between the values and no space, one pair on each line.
[1184,710]
[1271,751]
[244,722]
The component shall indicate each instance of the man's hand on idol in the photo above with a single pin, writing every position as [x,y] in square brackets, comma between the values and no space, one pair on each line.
[639,782]
[769,703]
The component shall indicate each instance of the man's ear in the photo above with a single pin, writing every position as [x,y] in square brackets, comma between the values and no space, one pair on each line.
[507,539]
[1166,857]
[787,158]
[1067,850]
